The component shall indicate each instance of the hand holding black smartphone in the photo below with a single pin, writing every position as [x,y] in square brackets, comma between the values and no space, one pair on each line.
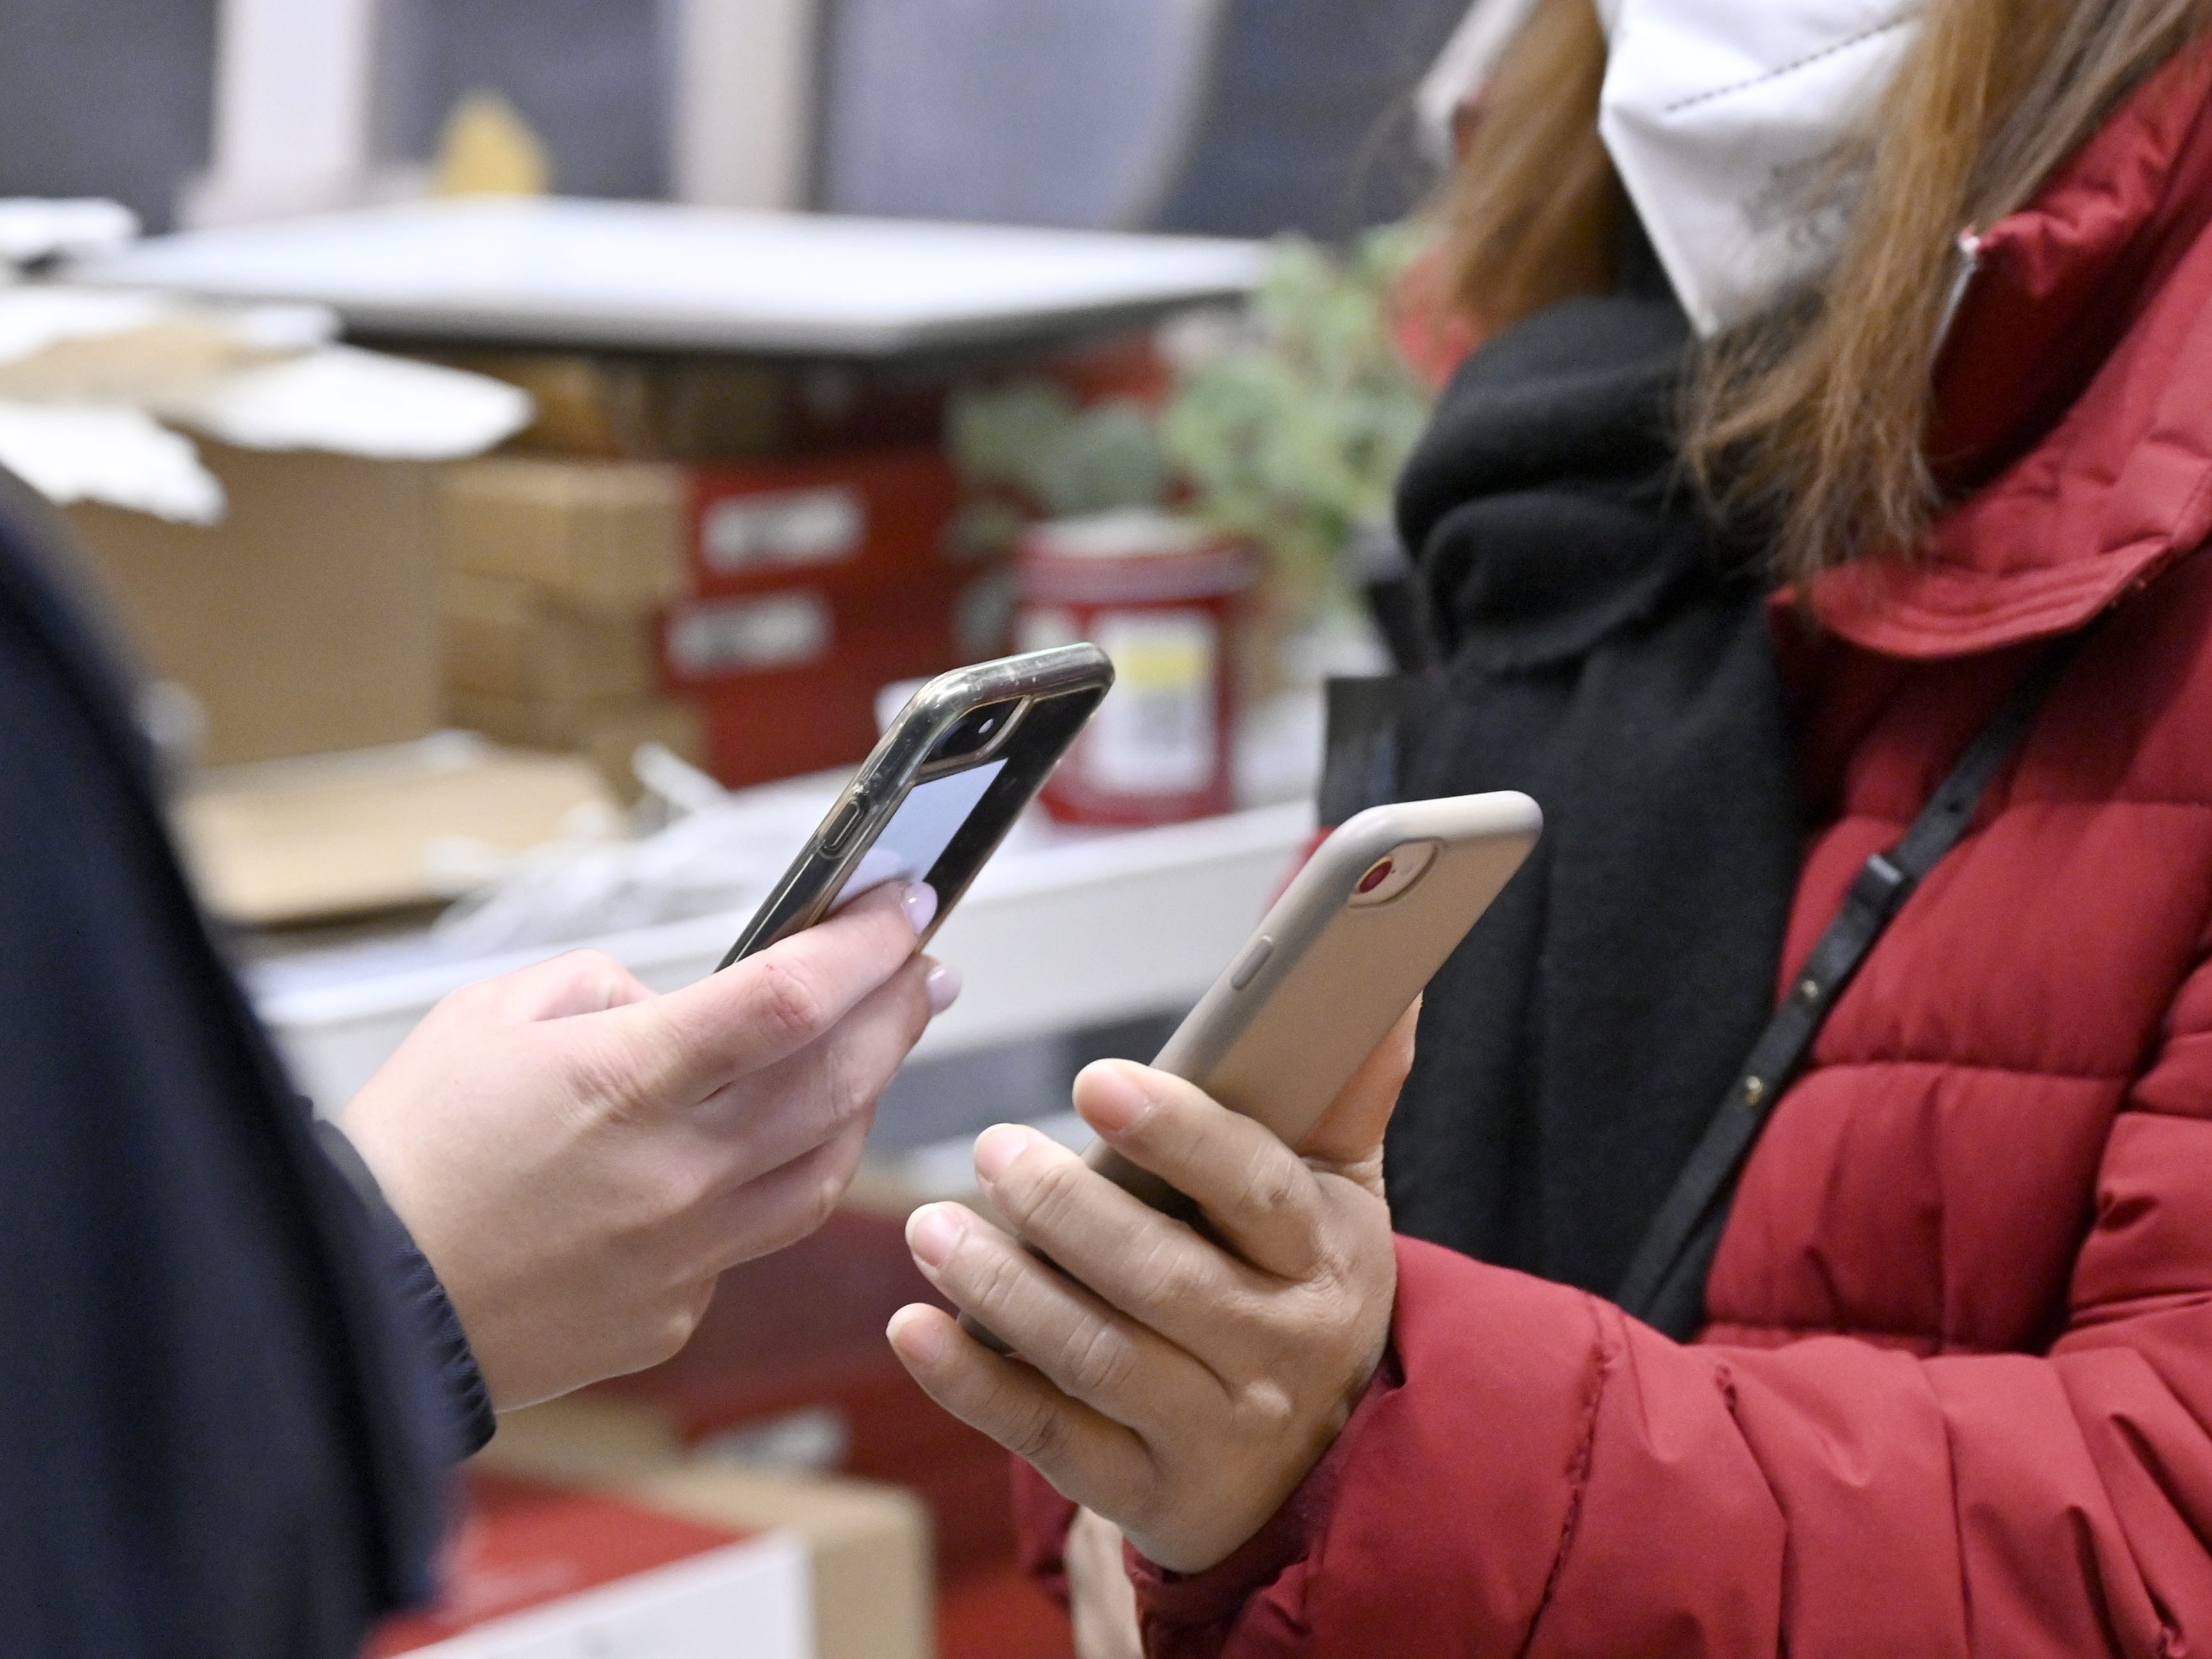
[942,789]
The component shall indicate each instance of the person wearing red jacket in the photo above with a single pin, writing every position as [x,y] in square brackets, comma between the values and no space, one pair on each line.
[1953,1392]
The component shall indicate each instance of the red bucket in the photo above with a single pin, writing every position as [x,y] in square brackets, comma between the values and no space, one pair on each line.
[1158,594]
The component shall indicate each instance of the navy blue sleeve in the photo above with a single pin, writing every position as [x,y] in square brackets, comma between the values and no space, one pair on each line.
[217,1432]
[430,1310]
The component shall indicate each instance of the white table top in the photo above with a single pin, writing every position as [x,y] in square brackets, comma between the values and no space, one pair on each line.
[1085,931]
[654,276]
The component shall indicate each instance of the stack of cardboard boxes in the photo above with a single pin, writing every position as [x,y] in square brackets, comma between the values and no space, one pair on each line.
[645,577]
[555,571]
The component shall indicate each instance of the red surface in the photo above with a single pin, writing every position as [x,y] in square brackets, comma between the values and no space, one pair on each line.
[1126,367]
[1067,597]
[899,606]
[994,1612]
[1996,1180]
[907,499]
[805,1329]
[522,1545]
[766,723]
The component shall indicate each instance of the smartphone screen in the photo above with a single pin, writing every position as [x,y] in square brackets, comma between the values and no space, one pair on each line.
[922,827]
[979,740]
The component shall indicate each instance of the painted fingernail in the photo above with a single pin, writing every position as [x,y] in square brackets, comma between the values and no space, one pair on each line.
[998,1146]
[942,986]
[1112,1097]
[931,1234]
[913,1333]
[920,904]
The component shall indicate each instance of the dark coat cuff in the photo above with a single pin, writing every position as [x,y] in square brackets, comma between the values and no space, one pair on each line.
[414,1284]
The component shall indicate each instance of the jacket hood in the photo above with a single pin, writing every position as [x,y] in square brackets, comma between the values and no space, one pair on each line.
[2074,397]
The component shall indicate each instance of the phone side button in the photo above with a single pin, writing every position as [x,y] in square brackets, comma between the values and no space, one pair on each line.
[1256,958]
[842,827]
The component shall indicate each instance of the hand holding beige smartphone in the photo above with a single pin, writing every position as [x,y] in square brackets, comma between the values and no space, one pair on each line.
[1356,935]
[1338,959]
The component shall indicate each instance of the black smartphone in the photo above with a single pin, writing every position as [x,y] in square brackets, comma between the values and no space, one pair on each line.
[969,751]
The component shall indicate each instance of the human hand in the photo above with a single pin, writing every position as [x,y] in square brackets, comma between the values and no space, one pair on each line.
[1100,1596]
[1180,1384]
[581,1159]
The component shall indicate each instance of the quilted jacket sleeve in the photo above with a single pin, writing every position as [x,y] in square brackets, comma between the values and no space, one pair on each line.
[1543,1475]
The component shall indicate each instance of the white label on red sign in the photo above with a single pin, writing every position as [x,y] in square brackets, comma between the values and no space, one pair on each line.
[784,630]
[794,527]
[751,1600]
[1156,733]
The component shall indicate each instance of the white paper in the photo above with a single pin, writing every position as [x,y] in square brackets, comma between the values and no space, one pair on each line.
[355,402]
[109,454]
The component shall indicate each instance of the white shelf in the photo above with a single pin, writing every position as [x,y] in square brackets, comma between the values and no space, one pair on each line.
[668,278]
[1081,932]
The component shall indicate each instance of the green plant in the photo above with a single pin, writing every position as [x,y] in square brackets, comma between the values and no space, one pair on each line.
[1032,438]
[1291,425]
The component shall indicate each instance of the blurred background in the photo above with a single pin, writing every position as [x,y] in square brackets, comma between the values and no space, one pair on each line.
[1230,117]
[527,446]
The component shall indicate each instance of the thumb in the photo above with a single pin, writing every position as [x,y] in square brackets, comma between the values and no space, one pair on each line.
[1350,1134]
[759,1010]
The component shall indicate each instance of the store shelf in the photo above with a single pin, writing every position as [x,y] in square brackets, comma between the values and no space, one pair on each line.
[657,277]
[1081,932]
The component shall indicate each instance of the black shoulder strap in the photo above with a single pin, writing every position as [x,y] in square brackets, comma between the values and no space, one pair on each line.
[1665,1282]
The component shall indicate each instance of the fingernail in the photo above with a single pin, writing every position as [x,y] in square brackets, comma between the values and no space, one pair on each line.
[942,986]
[914,1335]
[1111,1097]
[920,904]
[930,1233]
[997,1147]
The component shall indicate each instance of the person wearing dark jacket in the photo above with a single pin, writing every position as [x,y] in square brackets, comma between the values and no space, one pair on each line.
[239,1354]
[1946,1383]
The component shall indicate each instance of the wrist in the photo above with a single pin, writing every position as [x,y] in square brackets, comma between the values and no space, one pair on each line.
[1283,1540]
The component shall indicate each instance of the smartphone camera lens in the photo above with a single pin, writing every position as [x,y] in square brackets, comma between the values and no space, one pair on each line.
[1394,875]
[979,731]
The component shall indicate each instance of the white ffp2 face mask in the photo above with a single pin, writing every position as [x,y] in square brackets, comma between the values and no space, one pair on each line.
[1720,115]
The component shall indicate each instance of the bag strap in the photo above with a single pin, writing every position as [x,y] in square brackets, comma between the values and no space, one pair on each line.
[1666,1281]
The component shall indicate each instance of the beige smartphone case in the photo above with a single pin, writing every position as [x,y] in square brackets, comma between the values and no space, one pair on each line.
[1328,973]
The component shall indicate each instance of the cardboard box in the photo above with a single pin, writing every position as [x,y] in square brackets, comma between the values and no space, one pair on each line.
[592,1535]
[624,537]
[306,621]
[613,733]
[604,538]
[333,836]
[786,595]
[518,640]
[606,733]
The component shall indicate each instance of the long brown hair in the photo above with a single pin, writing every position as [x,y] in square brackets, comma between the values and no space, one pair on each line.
[1812,421]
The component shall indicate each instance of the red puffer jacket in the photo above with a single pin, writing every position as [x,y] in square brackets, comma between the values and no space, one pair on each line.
[1956,1396]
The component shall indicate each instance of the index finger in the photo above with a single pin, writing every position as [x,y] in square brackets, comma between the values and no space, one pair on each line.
[1258,1193]
[767,1007]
